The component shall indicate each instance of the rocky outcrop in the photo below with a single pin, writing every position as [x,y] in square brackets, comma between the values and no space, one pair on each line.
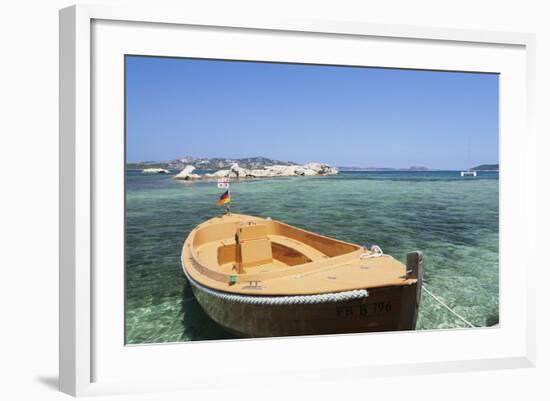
[238,172]
[310,169]
[321,168]
[306,169]
[220,174]
[187,174]
[254,166]
[155,171]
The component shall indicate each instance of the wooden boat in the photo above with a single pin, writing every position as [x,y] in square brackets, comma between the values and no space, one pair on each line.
[260,277]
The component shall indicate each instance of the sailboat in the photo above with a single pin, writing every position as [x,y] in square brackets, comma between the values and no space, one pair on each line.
[469,172]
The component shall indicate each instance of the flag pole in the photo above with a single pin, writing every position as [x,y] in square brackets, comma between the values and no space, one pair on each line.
[225,200]
[228,207]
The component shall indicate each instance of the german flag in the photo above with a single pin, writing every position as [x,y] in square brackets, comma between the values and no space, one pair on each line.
[225,198]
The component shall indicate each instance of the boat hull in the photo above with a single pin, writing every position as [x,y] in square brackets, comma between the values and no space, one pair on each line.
[384,309]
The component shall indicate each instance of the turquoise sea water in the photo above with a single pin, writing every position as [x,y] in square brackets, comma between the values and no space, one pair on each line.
[452,220]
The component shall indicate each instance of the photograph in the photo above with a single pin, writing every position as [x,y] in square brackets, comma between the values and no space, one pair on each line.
[272,199]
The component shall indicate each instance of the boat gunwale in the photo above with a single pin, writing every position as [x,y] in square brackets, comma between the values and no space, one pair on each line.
[279,299]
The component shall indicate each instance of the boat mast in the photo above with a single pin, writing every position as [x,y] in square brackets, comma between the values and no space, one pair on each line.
[469,144]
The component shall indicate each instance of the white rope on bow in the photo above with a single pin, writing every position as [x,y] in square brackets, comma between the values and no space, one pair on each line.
[375,252]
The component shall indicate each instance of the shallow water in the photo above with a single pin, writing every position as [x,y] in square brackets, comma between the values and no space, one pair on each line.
[452,220]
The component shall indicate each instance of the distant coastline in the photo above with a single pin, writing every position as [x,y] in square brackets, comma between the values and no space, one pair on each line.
[221,168]
[210,163]
[486,167]
[259,162]
[480,168]
[412,168]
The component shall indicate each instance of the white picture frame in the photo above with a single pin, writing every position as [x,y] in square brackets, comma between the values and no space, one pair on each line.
[91,37]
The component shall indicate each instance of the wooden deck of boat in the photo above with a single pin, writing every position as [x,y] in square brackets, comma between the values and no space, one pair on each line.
[322,275]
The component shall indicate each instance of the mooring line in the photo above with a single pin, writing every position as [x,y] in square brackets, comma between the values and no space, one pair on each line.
[445,306]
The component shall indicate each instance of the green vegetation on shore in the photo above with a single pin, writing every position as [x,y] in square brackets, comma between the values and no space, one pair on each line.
[486,167]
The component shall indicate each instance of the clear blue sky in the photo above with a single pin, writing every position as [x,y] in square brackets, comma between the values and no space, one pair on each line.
[343,116]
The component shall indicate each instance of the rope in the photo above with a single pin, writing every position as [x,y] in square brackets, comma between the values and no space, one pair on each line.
[375,252]
[281,300]
[446,307]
